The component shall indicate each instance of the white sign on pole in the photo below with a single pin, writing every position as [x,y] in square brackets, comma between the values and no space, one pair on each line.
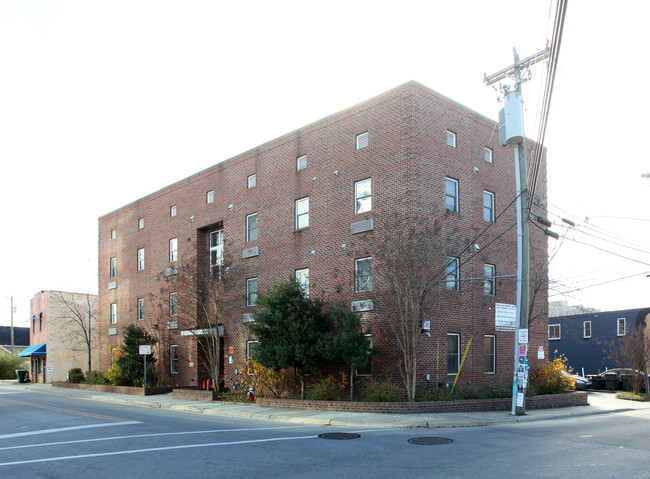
[523,336]
[540,352]
[144,349]
[505,316]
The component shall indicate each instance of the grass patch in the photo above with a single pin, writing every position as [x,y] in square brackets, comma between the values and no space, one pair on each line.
[633,397]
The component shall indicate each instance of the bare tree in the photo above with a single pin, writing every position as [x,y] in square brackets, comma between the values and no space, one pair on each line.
[632,351]
[79,310]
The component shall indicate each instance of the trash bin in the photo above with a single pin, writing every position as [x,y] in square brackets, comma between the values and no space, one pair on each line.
[21,374]
[611,382]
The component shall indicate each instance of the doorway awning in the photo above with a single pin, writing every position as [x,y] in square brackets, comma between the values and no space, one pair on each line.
[36,350]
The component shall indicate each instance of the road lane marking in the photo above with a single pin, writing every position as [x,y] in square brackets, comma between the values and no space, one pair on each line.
[63,429]
[134,436]
[67,411]
[156,449]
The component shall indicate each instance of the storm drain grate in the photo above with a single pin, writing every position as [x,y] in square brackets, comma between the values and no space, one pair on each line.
[430,441]
[339,435]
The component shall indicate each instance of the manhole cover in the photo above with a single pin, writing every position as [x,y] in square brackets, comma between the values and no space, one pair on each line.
[339,435]
[430,441]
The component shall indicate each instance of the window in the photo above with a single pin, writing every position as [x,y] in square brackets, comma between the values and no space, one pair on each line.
[453,353]
[173,304]
[554,332]
[487,154]
[251,346]
[252,180]
[620,328]
[302,278]
[251,292]
[172,211]
[113,313]
[113,268]
[302,213]
[141,223]
[489,283]
[362,140]
[113,234]
[209,197]
[362,196]
[301,162]
[451,139]
[216,253]
[586,329]
[173,250]
[140,309]
[453,275]
[140,259]
[489,353]
[251,227]
[363,274]
[451,194]
[488,206]
[173,359]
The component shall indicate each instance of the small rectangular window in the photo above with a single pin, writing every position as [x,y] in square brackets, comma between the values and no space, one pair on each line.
[302,277]
[554,332]
[173,304]
[252,180]
[363,196]
[113,267]
[113,234]
[451,194]
[453,274]
[302,213]
[451,139]
[172,211]
[251,291]
[173,359]
[140,309]
[489,283]
[141,223]
[453,353]
[301,162]
[488,206]
[250,349]
[216,253]
[487,154]
[363,275]
[489,353]
[209,197]
[362,140]
[140,259]
[113,312]
[586,329]
[620,327]
[251,227]
[173,250]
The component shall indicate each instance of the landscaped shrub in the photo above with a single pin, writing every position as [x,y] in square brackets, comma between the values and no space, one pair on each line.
[96,377]
[550,379]
[266,382]
[382,391]
[328,389]
[433,393]
[76,375]
[9,364]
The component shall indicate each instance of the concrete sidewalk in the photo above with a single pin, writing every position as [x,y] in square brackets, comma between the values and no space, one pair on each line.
[599,403]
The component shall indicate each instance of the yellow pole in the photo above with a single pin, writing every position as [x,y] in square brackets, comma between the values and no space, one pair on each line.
[461,365]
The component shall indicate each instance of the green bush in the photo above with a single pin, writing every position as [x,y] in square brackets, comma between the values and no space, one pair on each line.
[382,391]
[433,393]
[9,364]
[76,375]
[327,389]
[96,377]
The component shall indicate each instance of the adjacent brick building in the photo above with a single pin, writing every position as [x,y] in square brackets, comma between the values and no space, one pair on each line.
[407,170]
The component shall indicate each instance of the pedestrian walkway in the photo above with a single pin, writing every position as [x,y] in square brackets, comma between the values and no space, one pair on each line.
[599,403]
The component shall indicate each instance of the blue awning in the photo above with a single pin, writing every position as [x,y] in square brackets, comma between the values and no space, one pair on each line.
[36,350]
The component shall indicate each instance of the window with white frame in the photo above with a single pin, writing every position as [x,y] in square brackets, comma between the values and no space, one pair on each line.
[363,274]
[620,327]
[209,197]
[173,249]
[252,180]
[113,267]
[554,332]
[251,227]
[173,359]
[216,253]
[113,233]
[140,259]
[302,278]
[173,304]
[487,154]
[251,291]
[489,353]
[453,274]
[453,353]
[301,162]
[451,139]
[362,140]
[302,213]
[489,282]
[451,194]
[488,206]
[363,196]
[113,313]
[140,223]
[586,329]
[172,211]
[367,370]
[251,346]
[140,309]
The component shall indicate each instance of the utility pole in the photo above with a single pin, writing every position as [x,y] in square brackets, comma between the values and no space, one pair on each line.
[511,132]
[12,325]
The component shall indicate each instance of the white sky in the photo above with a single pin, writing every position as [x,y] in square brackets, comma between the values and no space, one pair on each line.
[102,103]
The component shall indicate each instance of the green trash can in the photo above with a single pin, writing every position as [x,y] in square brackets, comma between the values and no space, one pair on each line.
[611,382]
[21,374]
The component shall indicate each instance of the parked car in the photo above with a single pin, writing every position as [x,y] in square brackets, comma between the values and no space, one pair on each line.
[624,378]
[581,383]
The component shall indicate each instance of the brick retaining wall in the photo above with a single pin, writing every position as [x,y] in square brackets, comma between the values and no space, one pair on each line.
[194,395]
[134,391]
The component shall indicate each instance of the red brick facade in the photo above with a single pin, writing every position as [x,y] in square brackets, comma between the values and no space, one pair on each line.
[408,161]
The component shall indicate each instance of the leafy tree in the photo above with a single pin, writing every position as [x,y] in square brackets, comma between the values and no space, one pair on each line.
[131,363]
[292,330]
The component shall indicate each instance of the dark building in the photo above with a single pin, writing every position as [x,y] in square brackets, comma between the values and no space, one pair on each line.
[21,339]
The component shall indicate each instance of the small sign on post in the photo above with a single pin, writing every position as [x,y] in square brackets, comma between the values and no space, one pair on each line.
[145,350]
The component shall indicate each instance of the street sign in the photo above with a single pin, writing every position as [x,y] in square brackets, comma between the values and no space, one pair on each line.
[145,349]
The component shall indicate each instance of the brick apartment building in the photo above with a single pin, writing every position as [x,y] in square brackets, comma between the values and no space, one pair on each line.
[324,203]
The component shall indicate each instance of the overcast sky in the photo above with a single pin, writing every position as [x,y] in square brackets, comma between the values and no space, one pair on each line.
[102,103]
